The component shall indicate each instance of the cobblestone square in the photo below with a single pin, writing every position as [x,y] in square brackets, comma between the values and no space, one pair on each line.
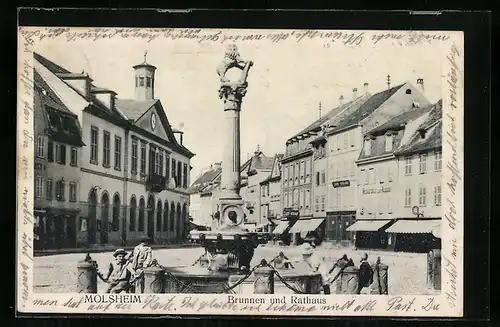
[57,273]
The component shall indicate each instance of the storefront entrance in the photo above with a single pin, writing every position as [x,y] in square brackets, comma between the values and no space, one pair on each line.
[55,231]
[336,225]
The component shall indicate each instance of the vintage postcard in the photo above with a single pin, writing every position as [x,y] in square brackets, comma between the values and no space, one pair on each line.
[240,172]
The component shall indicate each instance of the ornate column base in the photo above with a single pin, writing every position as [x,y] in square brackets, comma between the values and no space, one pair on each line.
[231,209]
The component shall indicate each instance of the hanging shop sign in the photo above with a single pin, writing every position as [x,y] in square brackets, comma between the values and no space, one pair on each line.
[341,183]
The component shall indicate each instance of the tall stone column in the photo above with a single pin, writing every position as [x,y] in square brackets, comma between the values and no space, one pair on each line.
[230,179]
[232,93]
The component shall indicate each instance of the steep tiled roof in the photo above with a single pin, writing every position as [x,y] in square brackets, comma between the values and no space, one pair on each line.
[130,107]
[50,98]
[377,147]
[432,140]
[217,179]
[134,109]
[428,135]
[400,121]
[204,180]
[54,68]
[366,108]
[276,161]
[209,188]
[60,72]
[261,162]
[436,114]
[62,125]
[317,123]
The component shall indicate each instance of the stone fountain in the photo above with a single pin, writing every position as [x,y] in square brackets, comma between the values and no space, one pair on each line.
[229,247]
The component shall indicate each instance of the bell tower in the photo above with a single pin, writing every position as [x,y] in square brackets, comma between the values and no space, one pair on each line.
[144,80]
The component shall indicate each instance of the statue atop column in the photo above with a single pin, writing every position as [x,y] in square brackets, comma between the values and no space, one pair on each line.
[233,91]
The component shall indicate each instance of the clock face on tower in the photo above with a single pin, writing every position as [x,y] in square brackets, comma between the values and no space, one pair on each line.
[153,120]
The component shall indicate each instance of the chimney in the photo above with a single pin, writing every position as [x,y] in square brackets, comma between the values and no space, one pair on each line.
[81,82]
[341,100]
[354,93]
[366,88]
[420,84]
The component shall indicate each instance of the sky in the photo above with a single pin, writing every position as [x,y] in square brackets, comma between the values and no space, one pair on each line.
[286,83]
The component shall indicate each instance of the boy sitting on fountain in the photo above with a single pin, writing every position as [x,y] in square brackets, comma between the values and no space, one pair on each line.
[118,273]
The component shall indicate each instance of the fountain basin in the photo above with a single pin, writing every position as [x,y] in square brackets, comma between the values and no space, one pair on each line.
[305,282]
[195,280]
[199,280]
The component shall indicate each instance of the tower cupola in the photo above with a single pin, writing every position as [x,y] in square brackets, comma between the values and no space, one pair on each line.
[144,80]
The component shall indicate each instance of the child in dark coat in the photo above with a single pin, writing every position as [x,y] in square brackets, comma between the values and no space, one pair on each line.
[365,273]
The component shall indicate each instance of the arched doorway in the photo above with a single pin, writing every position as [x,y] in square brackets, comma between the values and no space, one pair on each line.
[180,225]
[133,213]
[104,218]
[165,218]
[92,217]
[173,227]
[142,205]
[185,221]
[159,216]
[151,222]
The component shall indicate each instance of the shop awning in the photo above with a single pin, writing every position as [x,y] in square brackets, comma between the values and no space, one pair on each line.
[274,221]
[416,227]
[305,225]
[281,227]
[368,225]
[198,223]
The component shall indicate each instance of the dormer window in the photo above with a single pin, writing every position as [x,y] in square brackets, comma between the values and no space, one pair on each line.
[416,104]
[389,142]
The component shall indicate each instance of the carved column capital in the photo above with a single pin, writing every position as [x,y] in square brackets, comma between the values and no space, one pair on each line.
[232,95]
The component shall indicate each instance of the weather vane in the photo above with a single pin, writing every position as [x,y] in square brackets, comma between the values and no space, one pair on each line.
[145,54]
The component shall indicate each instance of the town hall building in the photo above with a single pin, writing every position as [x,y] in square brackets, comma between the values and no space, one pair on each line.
[134,168]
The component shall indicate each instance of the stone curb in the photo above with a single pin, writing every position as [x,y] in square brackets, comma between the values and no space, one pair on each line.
[41,253]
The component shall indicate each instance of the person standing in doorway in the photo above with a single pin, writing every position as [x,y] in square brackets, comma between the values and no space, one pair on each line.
[141,258]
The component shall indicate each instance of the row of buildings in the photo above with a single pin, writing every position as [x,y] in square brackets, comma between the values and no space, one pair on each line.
[367,172]
[107,170]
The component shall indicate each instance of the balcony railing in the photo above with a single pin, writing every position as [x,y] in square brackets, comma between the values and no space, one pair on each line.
[156,183]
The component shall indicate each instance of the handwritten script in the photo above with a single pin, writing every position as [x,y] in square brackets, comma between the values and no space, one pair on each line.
[453,167]
[25,172]
[284,305]
[225,36]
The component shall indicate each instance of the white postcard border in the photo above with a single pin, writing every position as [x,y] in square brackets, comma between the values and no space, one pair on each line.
[448,304]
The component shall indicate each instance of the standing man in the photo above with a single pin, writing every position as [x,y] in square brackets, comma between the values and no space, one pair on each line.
[118,273]
[365,273]
[141,258]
